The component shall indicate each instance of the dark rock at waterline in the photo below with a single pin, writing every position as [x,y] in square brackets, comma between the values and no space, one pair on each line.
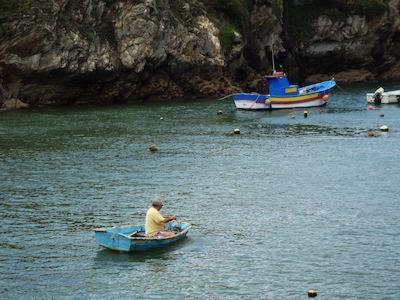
[345,77]
[12,104]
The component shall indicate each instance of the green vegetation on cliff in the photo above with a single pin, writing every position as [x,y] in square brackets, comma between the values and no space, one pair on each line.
[277,8]
[11,7]
[227,36]
[300,15]
[238,11]
[232,15]
[372,8]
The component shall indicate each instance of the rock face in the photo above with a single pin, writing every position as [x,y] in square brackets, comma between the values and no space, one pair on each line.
[105,51]
[360,40]
[64,51]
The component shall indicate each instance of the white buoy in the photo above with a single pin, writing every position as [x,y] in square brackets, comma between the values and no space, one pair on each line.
[312,294]
[382,114]
[384,128]
[305,114]
[219,112]
[236,131]
[161,119]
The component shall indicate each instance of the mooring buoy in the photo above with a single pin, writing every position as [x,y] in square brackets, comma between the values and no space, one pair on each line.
[371,133]
[382,114]
[312,293]
[236,131]
[153,148]
[305,114]
[384,128]
[219,112]
[161,119]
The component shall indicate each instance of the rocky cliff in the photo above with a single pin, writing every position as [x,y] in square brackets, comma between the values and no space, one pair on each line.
[356,40]
[106,51]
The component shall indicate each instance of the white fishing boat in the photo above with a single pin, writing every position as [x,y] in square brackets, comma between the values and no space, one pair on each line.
[282,94]
[382,97]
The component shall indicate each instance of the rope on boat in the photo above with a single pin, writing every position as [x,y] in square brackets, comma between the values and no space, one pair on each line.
[340,88]
[225,97]
[255,103]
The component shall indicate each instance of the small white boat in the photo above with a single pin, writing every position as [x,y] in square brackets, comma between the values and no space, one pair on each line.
[382,97]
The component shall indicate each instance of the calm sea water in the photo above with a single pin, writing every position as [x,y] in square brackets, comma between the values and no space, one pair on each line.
[289,205]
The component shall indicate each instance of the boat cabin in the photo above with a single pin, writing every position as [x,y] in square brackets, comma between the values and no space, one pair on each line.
[279,85]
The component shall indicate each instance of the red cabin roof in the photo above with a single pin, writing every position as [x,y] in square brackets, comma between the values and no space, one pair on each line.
[276,74]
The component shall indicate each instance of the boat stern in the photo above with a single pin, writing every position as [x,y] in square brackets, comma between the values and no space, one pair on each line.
[250,101]
[116,238]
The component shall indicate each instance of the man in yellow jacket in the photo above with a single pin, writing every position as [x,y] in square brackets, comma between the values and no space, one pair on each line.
[155,221]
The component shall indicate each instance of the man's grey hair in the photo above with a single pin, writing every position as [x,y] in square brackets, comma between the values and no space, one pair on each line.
[157,201]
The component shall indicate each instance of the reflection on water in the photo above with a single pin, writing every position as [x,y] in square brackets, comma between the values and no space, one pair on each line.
[290,204]
[303,129]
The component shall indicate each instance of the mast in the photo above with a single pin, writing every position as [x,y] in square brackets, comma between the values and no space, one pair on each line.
[273,58]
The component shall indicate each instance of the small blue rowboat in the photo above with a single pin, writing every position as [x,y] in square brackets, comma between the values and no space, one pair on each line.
[132,238]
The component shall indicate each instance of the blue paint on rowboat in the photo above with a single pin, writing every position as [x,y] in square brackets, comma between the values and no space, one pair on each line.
[127,239]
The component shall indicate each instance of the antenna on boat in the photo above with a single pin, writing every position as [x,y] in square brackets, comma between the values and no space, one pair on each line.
[273,58]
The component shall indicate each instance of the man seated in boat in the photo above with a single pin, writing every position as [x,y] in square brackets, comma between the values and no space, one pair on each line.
[155,221]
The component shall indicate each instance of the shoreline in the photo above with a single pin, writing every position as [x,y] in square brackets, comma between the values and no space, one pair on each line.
[181,99]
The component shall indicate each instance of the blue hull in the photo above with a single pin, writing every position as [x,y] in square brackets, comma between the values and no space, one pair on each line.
[126,239]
